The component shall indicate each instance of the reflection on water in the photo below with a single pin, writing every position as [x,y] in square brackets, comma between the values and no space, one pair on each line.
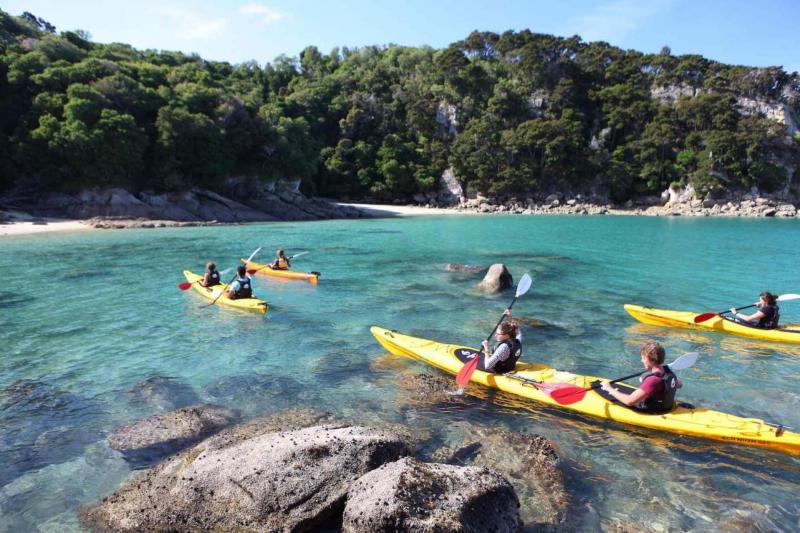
[108,338]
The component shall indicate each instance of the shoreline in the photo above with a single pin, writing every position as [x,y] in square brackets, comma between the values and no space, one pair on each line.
[22,223]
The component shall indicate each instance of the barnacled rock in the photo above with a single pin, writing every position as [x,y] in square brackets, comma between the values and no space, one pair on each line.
[496,279]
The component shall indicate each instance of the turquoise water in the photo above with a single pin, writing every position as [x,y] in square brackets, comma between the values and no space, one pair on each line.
[85,318]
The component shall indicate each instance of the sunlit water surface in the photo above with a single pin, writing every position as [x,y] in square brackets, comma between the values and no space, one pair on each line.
[86,318]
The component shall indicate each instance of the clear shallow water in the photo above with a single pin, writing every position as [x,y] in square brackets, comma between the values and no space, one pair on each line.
[86,318]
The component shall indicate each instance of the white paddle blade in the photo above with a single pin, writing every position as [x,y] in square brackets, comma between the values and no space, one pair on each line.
[298,254]
[684,361]
[524,284]
[786,297]
[223,272]
[253,254]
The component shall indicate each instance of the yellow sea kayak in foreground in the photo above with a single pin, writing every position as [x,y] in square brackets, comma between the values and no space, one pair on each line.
[722,324]
[267,270]
[249,304]
[684,419]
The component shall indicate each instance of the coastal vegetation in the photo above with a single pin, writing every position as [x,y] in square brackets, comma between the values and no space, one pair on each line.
[511,113]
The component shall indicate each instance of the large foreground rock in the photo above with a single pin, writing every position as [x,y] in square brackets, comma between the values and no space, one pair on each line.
[497,279]
[163,434]
[530,462]
[408,495]
[286,481]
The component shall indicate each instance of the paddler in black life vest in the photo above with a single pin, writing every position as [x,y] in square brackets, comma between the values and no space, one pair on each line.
[656,393]
[767,315]
[211,277]
[242,286]
[281,261]
[508,349]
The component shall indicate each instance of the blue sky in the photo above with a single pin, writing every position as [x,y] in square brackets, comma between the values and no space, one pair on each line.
[758,33]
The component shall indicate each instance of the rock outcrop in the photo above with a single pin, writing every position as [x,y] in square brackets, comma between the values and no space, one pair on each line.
[496,279]
[241,481]
[408,495]
[160,435]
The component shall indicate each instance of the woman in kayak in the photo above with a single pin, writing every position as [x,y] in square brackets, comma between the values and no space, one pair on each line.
[508,349]
[211,277]
[656,393]
[242,286]
[281,262]
[766,316]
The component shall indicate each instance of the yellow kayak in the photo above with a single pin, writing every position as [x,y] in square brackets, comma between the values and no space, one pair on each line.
[534,382]
[250,304]
[722,324]
[267,270]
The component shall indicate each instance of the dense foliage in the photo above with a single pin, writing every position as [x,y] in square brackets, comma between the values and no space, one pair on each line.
[511,113]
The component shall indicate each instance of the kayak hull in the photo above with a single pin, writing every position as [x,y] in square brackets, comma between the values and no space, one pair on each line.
[685,319]
[249,304]
[267,270]
[527,381]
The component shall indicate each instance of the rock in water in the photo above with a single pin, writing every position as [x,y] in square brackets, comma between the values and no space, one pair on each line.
[408,495]
[285,481]
[497,279]
[166,433]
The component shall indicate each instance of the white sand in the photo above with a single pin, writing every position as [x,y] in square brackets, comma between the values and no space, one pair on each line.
[381,210]
[23,224]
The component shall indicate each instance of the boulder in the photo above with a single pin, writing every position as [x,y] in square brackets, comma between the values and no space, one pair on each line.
[248,481]
[408,495]
[496,279]
[163,434]
[162,394]
[530,462]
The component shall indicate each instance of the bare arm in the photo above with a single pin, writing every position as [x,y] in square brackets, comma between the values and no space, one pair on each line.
[758,315]
[628,399]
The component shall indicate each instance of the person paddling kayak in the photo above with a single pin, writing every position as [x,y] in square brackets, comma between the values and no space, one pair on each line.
[242,286]
[656,393]
[508,349]
[211,276]
[281,261]
[766,316]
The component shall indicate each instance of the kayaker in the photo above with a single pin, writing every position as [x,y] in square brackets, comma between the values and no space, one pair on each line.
[656,393]
[767,315]
[242,286]
[508,349]
[281,262]
[211,277]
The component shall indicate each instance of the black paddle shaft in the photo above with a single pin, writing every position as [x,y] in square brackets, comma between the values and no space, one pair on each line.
[489,338]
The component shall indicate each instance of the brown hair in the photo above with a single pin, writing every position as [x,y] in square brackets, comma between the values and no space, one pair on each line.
[654,352]
[510,328]
[770,298]
[211,265]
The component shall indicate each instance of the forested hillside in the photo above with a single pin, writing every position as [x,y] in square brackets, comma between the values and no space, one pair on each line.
[512,113]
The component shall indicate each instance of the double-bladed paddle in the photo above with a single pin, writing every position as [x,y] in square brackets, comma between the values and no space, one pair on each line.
[186,285]
[254,270]
[574,394]
[222,291]
[708,316]
[465,374]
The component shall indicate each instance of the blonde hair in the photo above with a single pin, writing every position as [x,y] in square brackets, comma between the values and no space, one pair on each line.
[653,352]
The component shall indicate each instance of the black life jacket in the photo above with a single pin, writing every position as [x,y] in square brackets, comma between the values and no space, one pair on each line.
[666,402]
[245,289]
[515,351]
[213,278]
[771,316]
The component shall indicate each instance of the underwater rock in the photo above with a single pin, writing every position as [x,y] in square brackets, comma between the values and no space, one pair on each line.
[427,389]
[163,393]
[496,279]
[160,435]
[530,462]
[409,495]
[285,481]
[456,267]
[256,394]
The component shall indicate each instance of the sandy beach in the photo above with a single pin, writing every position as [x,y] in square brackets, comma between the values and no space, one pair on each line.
[24,224]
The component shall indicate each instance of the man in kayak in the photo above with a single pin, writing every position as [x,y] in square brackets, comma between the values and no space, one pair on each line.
[211,277]
[508,349]
[766,316]
[656,393]
[281,262]
[242,286]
